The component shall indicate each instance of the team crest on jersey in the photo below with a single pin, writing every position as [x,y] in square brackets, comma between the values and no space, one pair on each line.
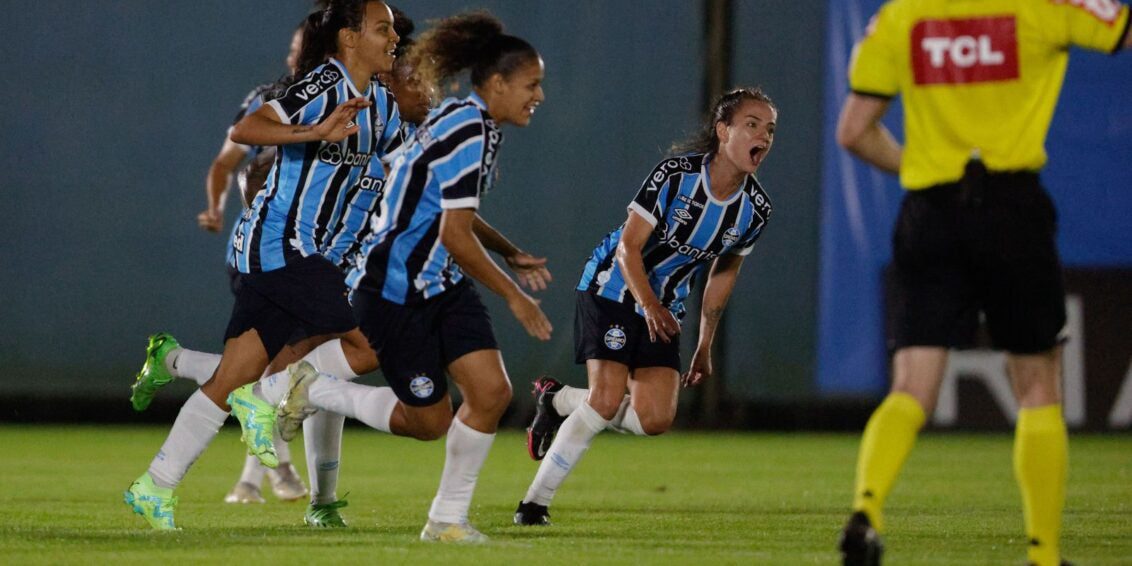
[422,386]
[603,278]
[730,236]
[615,338]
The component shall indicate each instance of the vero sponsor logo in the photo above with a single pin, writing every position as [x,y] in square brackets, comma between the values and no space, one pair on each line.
[971,50]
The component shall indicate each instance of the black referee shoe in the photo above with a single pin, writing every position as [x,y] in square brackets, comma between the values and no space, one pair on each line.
[860,544]
[547,420]
[532,515]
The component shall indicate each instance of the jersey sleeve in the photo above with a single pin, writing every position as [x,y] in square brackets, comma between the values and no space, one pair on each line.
[747,244]
[393,133]
[651,201]
[251,103]
[874,66]
[307,92]
[465,165]
[1099,25]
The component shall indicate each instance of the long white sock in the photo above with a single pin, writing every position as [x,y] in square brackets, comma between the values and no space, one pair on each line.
[282,449]
[322,437]
[626,420]
[196,425]
[568,398]
[570,444]
[465,451]
[253,471]
[328,359]
[191,364]
[371,405]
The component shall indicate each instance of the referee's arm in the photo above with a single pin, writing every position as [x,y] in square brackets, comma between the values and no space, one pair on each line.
[859,130]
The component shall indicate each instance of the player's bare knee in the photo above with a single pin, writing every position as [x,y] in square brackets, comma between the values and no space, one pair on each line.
[604,405]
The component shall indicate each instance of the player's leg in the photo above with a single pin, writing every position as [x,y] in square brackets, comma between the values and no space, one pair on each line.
[196,425]
[486,390]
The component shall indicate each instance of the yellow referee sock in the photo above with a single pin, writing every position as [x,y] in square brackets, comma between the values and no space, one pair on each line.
[887,441]
[1041,459]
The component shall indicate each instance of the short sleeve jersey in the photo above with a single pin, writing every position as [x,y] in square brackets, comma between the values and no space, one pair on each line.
[449,164]
[979,76]
[318,195]
[691,228]
[251,103]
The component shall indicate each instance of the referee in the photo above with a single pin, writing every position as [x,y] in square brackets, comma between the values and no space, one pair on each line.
[975,234]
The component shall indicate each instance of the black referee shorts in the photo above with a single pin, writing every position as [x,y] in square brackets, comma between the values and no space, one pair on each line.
[304,298]
[985,244]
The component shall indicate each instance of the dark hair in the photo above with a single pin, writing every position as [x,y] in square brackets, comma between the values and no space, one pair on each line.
[475,41]
[706,139]
[320,33]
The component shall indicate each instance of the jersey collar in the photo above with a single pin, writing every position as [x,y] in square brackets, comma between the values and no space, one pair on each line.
[350,82]
[705,180]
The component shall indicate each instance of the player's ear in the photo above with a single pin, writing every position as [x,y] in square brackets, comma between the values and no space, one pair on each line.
[496,83]
[721,132]
[347,37]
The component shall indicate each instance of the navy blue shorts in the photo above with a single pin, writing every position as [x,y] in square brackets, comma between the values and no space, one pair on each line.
[985,244]
[304,298]
[609,330]
[415,343]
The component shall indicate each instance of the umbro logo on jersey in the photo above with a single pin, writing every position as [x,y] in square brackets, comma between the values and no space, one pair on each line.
[973,50]
[683,214]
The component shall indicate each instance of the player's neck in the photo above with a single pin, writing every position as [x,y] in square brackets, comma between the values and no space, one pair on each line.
[360,75]
[725,178]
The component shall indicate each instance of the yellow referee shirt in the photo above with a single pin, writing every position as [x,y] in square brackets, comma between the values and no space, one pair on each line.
[977,75]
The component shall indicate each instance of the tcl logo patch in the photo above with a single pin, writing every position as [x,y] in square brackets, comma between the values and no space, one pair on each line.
[972,50]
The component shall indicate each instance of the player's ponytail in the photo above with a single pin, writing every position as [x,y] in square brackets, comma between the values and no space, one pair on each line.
[706,140]
[474,41]
[320,33]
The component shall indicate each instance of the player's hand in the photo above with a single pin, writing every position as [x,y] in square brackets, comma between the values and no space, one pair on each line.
[340,124]
[526,309]
[531,271]
[661,322]
[210,220]
[700,368]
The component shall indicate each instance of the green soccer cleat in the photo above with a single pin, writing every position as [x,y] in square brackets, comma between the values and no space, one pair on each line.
[154,503]
[257,420]
[295,406]
[463,533]
[153,375]
[325,515]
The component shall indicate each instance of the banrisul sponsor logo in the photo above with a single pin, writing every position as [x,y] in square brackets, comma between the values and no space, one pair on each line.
[335,154]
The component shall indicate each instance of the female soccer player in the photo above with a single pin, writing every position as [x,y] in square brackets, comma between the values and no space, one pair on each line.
[329,124]
[421,313]
[702,208]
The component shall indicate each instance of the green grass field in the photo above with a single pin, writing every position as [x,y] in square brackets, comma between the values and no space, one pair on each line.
[683,498]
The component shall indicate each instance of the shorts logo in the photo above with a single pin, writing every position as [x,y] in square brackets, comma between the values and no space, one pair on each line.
[975,50]
[615,338]
[422,386]
[730,236]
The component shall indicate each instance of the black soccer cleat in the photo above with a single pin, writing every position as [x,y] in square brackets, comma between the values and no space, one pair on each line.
[547,420]
[532,515]
[860,544]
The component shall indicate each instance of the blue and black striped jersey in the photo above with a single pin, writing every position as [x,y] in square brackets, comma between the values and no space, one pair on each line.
[319,195]
[449,164]
[251,103]
[691,229]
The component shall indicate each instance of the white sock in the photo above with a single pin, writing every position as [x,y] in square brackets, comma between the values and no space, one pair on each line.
[196,425]
[191,364]
[570,444]
[626,420]
[322,438]
[465,451]
[253,471]
[330,358]
[371,405]
[568,398]
[282,449]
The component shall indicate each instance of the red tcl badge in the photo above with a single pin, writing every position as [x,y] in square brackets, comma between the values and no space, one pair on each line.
[974,50]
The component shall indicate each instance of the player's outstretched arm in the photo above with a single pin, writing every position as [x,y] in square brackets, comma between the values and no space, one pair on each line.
[530,270]
[457,235]
[717,291]
[265,128]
